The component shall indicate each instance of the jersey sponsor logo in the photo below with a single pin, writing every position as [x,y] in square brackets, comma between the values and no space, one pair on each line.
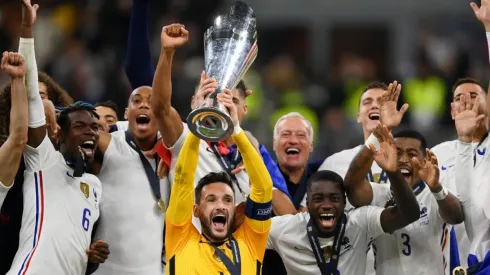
[424,215]
[346,245]
[264,212]
[85,189]
[445,168]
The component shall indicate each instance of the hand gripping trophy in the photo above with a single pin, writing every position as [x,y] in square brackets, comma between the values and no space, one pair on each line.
[230,48]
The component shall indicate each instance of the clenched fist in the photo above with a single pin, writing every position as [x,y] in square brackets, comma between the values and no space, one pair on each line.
[14,64]
[174,36]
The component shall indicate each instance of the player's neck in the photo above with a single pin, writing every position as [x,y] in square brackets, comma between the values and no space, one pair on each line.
[145,144]
[366,134]
[294,173]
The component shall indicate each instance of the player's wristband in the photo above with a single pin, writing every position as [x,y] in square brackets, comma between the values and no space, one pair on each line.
[372,140]
[236,130]
[441,194]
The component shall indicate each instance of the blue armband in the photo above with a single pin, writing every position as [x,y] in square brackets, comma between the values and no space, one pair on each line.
[258,211]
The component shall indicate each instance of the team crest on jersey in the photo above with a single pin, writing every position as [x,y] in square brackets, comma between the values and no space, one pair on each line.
[85,189]
[424,215]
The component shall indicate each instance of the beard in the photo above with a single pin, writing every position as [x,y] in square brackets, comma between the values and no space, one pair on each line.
[208,232]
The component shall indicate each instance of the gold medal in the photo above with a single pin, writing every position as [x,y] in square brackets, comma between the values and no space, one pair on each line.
[161,205]
[459,271]
[327,252]
[216,257]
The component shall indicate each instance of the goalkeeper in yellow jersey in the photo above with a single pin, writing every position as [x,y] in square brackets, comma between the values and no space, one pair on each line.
[217,250]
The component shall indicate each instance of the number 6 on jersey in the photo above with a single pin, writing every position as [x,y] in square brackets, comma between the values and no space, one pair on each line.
[85,220]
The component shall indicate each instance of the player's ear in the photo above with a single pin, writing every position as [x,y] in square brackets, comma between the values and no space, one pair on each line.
[196,211]
[126,114]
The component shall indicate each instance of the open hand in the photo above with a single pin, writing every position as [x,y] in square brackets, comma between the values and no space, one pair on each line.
[14,64]
[466,117]
[98,252]
[388,114]
[428,170]
[482,13]
[174,36]
[226,98]
[386,156]
[207,85]
[29,13]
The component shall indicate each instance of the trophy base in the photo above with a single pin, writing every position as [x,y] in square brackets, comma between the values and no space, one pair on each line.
[210,124]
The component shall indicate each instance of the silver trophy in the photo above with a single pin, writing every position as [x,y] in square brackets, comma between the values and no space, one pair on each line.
[230,48]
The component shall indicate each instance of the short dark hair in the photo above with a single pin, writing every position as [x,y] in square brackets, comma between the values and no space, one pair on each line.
[408,133]
[242,88]
[373,85]
[63,116]
[213,177]
[325,175]
[109,104]
[466,80]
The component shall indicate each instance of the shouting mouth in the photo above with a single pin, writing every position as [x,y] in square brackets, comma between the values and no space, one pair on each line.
[407,173]
[142,122]
[219,222]
[374,116]
[327,220]
[88,148]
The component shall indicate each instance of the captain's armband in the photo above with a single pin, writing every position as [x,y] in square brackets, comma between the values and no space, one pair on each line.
[258,211]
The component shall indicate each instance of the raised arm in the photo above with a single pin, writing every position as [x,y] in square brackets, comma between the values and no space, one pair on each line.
[258,207]
[138,66]
[357,187]
[406,209]
[11,150]
[181,202]
[169,121]
[37,121]
[450,208]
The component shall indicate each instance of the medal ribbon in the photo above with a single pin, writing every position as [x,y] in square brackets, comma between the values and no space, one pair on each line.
[228,162]
[150,173]
[330,267]
[383,177]
[235,267]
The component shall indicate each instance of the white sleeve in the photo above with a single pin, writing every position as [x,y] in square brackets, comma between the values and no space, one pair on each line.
[34,101]
[463,171]
[42,157]
[122,125]
[175,149]
[3,192]
[369,219]
[381,194]
[327,165]
[277,227]
[303,202]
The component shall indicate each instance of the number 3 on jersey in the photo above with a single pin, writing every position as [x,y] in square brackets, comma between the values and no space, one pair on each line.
[406,250]
[85,219]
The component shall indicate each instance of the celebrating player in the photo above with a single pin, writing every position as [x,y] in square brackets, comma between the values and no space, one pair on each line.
[219,250]
[12,148]
[337,239]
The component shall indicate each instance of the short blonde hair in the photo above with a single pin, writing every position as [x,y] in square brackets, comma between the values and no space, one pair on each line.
[293,115]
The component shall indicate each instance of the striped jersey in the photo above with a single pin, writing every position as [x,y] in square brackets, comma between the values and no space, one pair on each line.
[419,248]
[59,213]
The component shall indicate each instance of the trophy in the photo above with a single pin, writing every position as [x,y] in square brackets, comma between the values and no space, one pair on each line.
[230,48]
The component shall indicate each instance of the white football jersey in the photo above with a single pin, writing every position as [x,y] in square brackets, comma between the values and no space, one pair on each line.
[419,248]
[3,193]
[446,157]
[131,222]
[339,163]
[472,174]
[289,238]
[59,213]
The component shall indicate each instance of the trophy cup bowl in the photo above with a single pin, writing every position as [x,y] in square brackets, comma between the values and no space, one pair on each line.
[230,48]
